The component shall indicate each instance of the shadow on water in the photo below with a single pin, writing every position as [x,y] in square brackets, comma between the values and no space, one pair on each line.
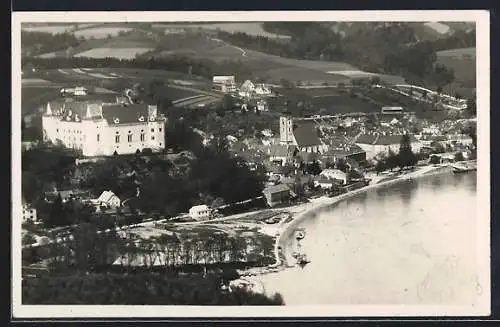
[407,190]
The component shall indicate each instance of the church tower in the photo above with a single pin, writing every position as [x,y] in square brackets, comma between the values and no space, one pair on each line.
[286,130]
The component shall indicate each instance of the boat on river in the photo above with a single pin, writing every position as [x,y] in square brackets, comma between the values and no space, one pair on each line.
[464,166]
[300,234]
[300,258]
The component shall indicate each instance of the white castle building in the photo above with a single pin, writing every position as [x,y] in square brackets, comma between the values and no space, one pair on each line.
[102,129]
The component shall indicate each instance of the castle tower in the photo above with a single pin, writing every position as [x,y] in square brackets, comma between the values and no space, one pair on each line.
[286,130]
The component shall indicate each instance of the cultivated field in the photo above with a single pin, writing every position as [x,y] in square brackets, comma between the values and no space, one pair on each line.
[251,28]
[121,53]
[100,32]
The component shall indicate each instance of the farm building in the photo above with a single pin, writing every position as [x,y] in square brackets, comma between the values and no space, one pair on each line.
[102,129]
[200,212]
[109,200]
[225,84]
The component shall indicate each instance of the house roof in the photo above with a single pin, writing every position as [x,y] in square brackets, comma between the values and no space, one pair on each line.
[106,196]
[199,207]
[344,151]
[382,139]
[333,173]
[276,188]
[322,179]
[306,134]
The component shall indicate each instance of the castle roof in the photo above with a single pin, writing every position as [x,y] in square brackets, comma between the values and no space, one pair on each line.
[118,114]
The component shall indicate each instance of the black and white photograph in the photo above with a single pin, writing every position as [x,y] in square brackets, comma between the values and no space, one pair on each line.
[250,164]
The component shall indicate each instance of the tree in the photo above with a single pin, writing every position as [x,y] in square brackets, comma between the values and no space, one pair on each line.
[392,160]
[471,107]
[227,102]
[459,156]
[380,166]
[342,165]
[406,157]
[57,215]
[434,160]
[314,168]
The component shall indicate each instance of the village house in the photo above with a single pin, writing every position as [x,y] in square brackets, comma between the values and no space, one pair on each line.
[277,194]
[302,134]
[225,84]
[249,89]
[108,199]
[29,213]
[374,144]
[200,212]
[281,154]
[341,148]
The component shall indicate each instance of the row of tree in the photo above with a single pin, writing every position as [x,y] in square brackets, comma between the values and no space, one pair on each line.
[96,246]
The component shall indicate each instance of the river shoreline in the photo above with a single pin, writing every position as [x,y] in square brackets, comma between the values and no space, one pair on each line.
[305,211]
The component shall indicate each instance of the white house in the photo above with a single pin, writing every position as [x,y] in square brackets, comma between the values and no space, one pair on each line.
[109,200]
[76,91]
[225,84]
[262,105]
[103,129]
[200,212]
[29,213]
[335,174]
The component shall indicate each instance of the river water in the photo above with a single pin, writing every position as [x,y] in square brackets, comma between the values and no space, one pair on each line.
[408,243]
